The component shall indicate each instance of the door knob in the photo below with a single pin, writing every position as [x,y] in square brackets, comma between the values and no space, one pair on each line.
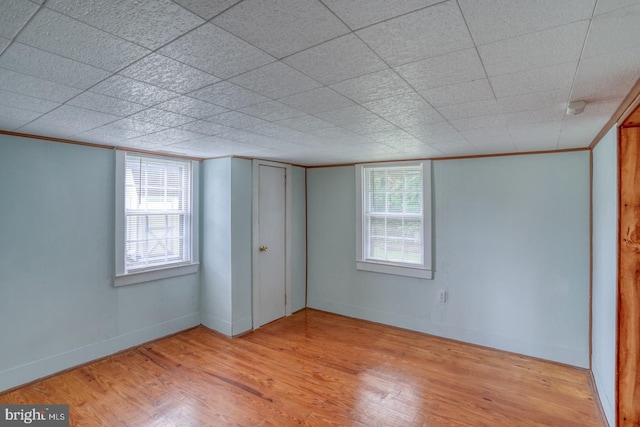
[263,248]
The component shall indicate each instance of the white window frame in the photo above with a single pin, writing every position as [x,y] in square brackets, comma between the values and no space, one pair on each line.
[424,270]
[124,277]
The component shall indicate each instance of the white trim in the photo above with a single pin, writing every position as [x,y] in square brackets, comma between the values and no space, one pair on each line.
[122,277]
[155,274]
[256,235]
[398,270]
[424,271]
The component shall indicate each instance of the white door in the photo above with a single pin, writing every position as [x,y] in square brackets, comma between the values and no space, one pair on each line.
[271,292]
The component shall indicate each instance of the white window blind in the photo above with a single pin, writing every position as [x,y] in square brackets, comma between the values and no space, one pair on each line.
[394,218]
[157,212]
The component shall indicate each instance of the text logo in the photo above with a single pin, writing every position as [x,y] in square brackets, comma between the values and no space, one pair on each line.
[34,415]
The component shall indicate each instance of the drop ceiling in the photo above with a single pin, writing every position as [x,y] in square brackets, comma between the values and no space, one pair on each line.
[317,82]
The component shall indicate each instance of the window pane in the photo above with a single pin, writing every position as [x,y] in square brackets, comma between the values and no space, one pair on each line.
[156,211]
[393,213]
[378,227]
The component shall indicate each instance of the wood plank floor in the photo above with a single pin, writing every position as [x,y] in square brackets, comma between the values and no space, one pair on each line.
[319,369]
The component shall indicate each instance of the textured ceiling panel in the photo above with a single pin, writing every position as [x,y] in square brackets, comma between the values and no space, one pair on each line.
[428,32]
[281,27]
[148,23]
[317,81]
[59,34]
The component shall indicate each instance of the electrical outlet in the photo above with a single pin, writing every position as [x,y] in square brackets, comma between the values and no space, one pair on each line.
[442,296]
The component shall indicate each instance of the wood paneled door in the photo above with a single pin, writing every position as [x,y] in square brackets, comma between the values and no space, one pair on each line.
[628,356]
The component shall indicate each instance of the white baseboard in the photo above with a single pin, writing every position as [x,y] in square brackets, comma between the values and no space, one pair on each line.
[487,339]
[32,371]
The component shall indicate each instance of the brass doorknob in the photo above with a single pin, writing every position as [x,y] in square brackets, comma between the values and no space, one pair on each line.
[263,248]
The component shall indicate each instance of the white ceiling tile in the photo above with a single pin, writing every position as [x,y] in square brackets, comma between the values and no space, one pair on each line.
[492,20]
[397,105]
[416,118]
[12,118]
[133,90]
[373,125]
[305,123]
[191,107]
[228,95]
[24,102]
[161,117]
[394,136]
[614,31]
[461,148]
[596,79]
[15,13]
[3,44]
[470,109]
[535,101]
[147,23]
[47,66]
[461,93]
[108,133]
[381,84]
[278,131]
[68,121]
[275,80]
[236,120]
[535,50]
[317,101]
[105,104]
[35,87]
[579,130]
[443,70]
[336,60]
[360,13]
[59,34]
[605,6]
[207,9]
[216,51]
[444,138]
[536,136]
[205,127]
[137,126]
[169,74]
[271,111]
[432,31]
[166,137]
[538,116]
[347,115]
[579,134]
[536,80]
[431,130]
[472,123]
[496,132]
[281,27]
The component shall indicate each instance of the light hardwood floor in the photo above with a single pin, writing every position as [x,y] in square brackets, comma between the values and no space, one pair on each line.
[315,368]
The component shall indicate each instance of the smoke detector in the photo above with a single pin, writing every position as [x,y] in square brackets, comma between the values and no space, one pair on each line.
[575,107]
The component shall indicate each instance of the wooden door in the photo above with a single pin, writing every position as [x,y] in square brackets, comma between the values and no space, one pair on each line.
[271,271]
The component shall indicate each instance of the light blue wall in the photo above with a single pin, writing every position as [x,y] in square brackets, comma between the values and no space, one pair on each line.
[511,249]
[605,248]
[58,306]
[226,244]
[241,199]
[215,242]
[299,241]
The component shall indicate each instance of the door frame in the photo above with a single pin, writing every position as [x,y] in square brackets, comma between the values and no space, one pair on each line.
[255,244]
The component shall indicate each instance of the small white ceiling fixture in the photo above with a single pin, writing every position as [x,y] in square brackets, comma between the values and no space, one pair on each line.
[575,107]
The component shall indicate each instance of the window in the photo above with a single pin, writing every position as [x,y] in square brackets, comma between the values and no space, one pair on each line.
[394,218]
[156,222]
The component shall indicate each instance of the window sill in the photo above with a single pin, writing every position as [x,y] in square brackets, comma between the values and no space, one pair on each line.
[396,270]
[150,275]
